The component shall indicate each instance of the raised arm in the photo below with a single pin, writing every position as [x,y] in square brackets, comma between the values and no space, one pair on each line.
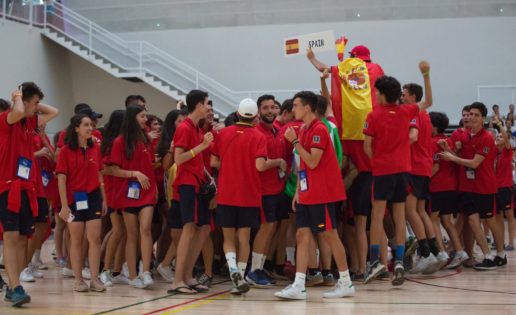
[317,64]
[424,67]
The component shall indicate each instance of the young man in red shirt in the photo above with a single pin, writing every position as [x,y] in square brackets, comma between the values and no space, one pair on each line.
[477,182]
[319,188]
[387,145]
[272,184]
[18,202]
[420,136]
[189,143]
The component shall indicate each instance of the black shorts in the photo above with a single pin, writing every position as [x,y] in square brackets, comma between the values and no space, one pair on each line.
[174,220]
[136,210]
[504,199]
[43,211]
[23,222]
[111,211]
[194,208]
[286,202]
[319,218]
[237,217]
[444,202]
[272,209]
[94,210]
[483,204]
[391,187]
[360,197]
[419,186]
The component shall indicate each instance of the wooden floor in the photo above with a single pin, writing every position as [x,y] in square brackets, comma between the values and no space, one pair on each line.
[446,292]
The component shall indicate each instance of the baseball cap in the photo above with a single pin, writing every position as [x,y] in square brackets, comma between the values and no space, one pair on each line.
[361,52]
[247,108]
[86,109]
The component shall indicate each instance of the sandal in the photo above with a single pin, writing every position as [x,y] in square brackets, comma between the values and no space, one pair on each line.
[199,287]
[183,290]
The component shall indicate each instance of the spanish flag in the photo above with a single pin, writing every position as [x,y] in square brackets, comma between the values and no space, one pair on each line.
[351,97]
[292,46]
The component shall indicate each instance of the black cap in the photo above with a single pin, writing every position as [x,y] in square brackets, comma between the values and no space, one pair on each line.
[86,109]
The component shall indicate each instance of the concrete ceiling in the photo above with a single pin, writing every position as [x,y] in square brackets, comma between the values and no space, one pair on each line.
[137,15]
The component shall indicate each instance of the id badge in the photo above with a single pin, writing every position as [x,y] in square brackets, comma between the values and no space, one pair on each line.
[470,173]
[303,180]
[24,166]
[81,200]
[281,173]
[133,190]
[45,178]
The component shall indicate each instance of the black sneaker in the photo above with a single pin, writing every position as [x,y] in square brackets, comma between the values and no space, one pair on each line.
[486,264]
[373,271]
[499,261]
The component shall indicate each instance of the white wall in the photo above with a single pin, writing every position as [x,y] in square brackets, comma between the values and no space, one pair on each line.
[463,53]
[65,78]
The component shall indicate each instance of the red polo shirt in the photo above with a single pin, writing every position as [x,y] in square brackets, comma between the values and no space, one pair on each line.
[460,135]
[354,149]
[388,124]
[188,136]
[277,124]
[325,184]
[504,168]
[141,161]
[446,177]
[238,146]
[272,184]
[288,148]
[421,150]
[81,168]
[485,180]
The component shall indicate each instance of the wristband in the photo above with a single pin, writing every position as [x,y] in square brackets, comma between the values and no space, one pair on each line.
[295,142]
[193,153]
[426,73]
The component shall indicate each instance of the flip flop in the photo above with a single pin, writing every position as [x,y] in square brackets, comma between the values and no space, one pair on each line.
[182,290]
[201,288]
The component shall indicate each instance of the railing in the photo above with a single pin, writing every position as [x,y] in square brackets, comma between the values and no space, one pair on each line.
[133,57]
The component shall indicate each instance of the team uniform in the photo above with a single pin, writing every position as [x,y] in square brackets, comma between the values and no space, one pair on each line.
[504,196]
[388,125]
[443,185]
[421,155]
[360,191]
[190,175]
[319,188]
[43,179]
[239,194]
[128,194]
[81,167]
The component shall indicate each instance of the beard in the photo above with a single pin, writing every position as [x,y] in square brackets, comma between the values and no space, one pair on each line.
[268,120]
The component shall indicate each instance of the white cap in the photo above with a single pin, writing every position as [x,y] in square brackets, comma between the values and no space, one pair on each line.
[247,108]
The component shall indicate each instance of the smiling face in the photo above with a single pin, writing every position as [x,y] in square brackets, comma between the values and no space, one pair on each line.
[267,111]
[476,119]
[141,118]
[85,129]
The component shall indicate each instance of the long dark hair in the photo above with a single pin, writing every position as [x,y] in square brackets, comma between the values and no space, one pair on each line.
[111,131]
[72,137]
[168,130]
[131,130]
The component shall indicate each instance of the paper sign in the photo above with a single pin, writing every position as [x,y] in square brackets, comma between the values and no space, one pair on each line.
[322,41]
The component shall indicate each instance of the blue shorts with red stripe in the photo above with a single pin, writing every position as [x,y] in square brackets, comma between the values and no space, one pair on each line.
[194,209]
[319,217]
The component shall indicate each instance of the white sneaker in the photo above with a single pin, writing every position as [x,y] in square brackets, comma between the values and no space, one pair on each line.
[166,273]
[125,270]
[340,290]
[425,265]
[26,275]
[137,283]
[67,272]
[292,292]
[457,261]
[38,264]
[433,265]
[120,279]
[86,274]
[442,258]
[35,272]
[106,278]
[147,278]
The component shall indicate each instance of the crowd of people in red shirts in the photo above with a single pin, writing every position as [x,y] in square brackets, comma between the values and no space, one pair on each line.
[272,194]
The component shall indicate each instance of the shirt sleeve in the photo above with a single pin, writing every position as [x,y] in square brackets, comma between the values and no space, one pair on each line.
[181,138]
[369,125]
[319,138]
[4,126]
[486,145]
[214,149]
[60,141]
[261,147]
[414,123]
[62,161]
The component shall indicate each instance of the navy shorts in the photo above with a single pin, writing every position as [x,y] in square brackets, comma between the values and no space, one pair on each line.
[504,199]
[319,218]
[444,202]
[23,222]
[136,210]
[360,197]
[237,217]
[273,209]
[194,208]
[174,220]
[392,187]
[419,186]
[43,210]
[94,210]
[483,204]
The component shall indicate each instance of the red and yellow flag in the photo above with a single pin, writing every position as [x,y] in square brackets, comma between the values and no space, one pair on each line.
[292,46]
[351,97]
